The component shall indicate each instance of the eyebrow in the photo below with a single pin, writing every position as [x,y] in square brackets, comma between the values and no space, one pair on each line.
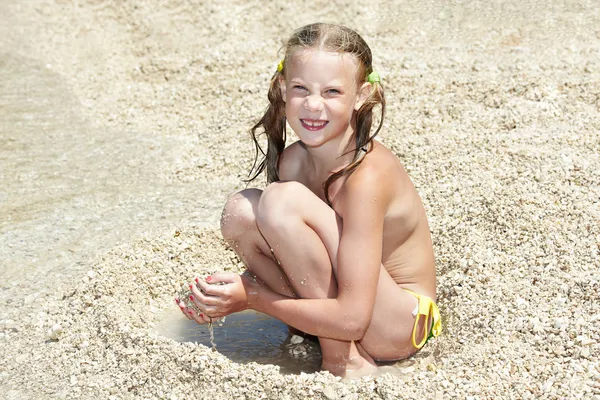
[335,84]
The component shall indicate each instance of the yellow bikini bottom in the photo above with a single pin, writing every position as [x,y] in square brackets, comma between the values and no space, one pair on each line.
[429,310]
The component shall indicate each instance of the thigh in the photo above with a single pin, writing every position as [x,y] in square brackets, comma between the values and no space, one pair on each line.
[389,334]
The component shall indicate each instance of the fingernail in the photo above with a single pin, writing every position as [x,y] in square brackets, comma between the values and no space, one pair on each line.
[191,287]
[208,278]
[201,315]
[191,312]
[197,280]
[192,298]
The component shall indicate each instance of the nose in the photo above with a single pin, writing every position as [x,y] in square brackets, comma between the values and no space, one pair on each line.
[313,103]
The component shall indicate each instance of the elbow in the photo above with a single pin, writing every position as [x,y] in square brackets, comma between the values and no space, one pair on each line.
[356,334]
[356,322]
[357,328]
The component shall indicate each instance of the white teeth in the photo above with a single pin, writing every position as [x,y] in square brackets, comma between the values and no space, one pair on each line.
[314,123]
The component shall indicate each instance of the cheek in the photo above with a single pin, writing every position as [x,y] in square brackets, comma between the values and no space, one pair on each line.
[290,109]
[342,108]
[294,104]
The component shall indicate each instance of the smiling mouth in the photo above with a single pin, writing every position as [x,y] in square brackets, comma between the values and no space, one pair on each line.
[313,125]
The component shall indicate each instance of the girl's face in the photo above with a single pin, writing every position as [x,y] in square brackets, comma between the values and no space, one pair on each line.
[321,95]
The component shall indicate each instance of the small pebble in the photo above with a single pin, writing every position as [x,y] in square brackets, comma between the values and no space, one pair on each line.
[585,352]
[295,339]
[329,393]
[55,332]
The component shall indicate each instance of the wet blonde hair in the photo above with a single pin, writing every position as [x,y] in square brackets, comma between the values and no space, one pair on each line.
[323,37]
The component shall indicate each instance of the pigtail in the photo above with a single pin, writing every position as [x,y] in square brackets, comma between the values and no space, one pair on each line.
[363,138]
[273,125]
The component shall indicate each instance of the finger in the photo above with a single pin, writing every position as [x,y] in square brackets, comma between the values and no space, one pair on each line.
[213,317]
[182,307]
[209,289]
[199,318]
[214,313]
[222,277]
[213,320]
[207,319]
[201,307]
[197,295]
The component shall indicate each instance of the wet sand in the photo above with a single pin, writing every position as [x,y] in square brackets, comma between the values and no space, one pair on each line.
[123,129]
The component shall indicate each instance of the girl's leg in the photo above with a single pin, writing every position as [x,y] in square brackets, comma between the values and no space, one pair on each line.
[240,230]
[304,234]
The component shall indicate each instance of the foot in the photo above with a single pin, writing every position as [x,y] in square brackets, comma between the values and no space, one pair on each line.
[354,368]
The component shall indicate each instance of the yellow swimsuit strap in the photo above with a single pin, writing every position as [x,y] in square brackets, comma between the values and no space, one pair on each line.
[426,308]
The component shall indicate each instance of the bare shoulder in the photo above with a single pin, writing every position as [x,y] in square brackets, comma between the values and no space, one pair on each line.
[381,176]
[291,161]
[380,170]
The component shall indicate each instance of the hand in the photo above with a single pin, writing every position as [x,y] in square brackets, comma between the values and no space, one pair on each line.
[191,314]
[224,293]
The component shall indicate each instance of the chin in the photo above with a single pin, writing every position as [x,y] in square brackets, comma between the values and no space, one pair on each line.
[311,143]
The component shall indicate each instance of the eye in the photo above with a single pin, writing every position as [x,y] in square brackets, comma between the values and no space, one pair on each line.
[299,87]
[333,91]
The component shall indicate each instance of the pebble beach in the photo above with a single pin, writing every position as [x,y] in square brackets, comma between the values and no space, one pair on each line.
[124,128]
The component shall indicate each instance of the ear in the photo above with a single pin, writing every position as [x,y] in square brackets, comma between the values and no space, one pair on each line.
[283,87]
[363,94]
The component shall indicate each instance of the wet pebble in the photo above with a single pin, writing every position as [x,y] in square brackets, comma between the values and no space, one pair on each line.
[296,339]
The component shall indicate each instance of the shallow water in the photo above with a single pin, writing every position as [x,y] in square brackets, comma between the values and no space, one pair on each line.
[69,190]
[247,337]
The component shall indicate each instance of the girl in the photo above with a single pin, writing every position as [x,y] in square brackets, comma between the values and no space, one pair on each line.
[338,244]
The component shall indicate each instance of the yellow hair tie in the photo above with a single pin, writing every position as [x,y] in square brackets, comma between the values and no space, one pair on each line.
[280,66]
[373,77]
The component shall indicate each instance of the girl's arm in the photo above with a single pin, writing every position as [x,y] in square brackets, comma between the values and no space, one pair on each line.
[346,317]
[359,262]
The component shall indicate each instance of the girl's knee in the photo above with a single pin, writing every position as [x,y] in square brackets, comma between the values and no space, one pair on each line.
[277,203]
[239,213]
